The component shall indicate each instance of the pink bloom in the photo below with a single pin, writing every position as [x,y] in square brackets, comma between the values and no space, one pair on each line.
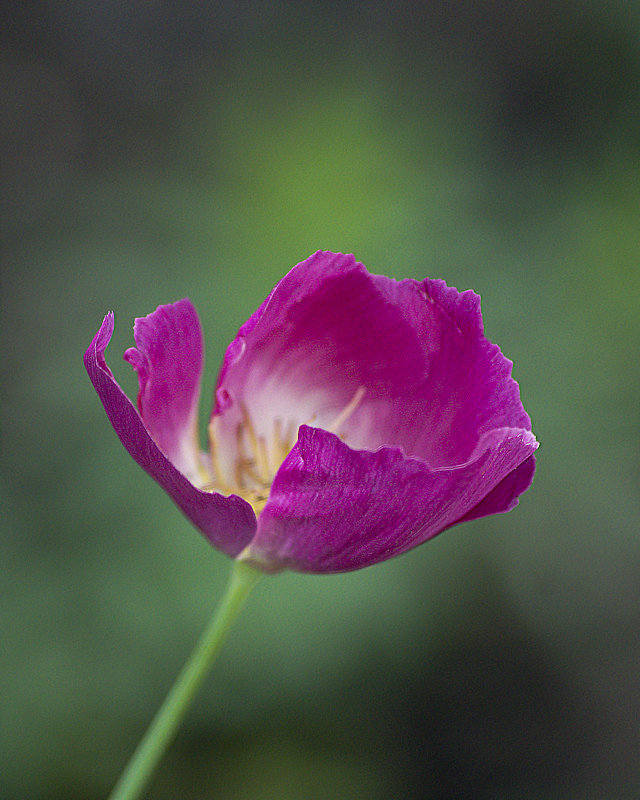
[355,417]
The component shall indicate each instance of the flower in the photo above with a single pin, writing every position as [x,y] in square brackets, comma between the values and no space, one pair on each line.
[355,417]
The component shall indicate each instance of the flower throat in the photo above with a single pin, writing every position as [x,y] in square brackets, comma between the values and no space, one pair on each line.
[257,459]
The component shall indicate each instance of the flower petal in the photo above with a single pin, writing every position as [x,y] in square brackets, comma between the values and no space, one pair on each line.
[414,354]
[169,361]
[228,522]
[334,509]
[505,496]
[465,388]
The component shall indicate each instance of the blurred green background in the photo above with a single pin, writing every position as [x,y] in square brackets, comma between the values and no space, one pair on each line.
[156,150]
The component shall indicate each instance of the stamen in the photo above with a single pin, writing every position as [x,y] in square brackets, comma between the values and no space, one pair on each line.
[247,465]
[257,447]
[239,468]
[263,460]
[257,500]
[348,410]
[282,443]
[203,474]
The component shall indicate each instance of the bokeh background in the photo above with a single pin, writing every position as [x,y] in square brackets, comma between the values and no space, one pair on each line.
[156,150]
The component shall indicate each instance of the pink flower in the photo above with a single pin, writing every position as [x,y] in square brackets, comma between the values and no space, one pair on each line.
[355,417]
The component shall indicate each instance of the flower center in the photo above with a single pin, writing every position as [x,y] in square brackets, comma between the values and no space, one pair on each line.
[258,458]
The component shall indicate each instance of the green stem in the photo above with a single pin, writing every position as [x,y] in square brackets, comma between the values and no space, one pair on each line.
[164,725]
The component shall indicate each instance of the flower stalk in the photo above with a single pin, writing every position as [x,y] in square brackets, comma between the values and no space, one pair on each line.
[168,718]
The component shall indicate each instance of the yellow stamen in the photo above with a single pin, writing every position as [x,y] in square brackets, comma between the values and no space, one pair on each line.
[256,448]
[263,460]
[348,410]
[218,482]
[239,466]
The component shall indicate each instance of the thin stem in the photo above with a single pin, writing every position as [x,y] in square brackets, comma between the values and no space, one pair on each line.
[164,725]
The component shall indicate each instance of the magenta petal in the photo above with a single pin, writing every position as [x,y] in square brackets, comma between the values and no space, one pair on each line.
[169,361]
[334,509]
[464,388]
[228,522]
[505,496]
